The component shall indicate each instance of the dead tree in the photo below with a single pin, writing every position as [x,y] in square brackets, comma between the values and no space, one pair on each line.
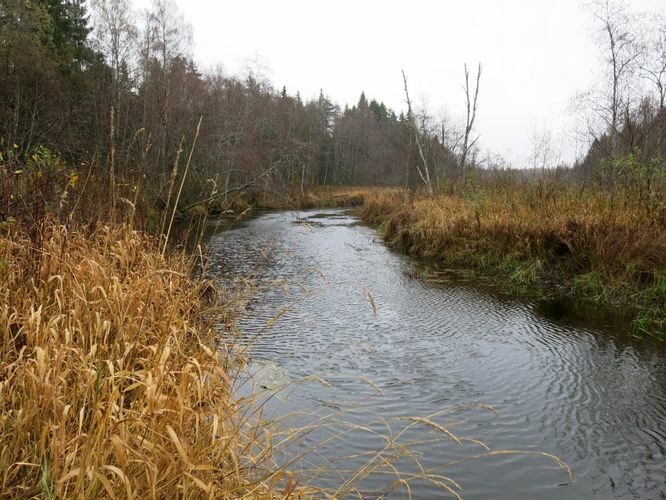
[471,104]
[424,172]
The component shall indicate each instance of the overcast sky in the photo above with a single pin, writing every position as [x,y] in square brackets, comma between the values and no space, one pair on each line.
[536,54]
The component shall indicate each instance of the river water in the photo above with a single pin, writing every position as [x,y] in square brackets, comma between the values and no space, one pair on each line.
[391,344]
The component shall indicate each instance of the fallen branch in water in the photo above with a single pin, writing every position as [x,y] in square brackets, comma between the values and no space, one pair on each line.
[229,191]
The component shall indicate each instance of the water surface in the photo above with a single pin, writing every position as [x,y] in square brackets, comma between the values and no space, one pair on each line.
[346,309]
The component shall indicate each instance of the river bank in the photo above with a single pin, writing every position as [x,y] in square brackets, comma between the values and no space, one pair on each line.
[386,354]
[536,240]
[582,245]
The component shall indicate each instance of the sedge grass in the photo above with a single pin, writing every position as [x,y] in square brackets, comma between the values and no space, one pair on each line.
[111,382]
[565,241]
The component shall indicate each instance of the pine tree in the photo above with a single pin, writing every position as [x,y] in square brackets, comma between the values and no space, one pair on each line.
[68,33]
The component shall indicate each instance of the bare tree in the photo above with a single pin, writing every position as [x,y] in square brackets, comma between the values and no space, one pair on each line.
[471,105]
[171,36]
[115,35]
[257,69]
[168,37]
[653,60]
[542,153]
[424,172]
[617,38]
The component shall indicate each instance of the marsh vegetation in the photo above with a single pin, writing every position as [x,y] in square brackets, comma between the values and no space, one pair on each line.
[124,351]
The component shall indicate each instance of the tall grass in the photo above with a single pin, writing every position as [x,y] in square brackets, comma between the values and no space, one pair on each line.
[111,382]
[553,238]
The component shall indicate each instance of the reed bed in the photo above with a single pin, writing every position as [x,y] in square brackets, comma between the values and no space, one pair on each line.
[336,196]
[592,245]
[112,384]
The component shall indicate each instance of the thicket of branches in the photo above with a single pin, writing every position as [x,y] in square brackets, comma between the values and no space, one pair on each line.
[624,113]
[97,87]
[89,84]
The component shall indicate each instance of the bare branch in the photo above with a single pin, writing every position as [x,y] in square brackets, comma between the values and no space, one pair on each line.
[236,189]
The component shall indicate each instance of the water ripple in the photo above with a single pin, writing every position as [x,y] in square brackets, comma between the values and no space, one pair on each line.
[588,394]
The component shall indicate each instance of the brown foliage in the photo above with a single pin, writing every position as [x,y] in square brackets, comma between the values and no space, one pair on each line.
[561,231]
[111,383]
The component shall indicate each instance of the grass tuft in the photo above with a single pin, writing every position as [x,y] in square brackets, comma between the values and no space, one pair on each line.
[112,384]
[559,241]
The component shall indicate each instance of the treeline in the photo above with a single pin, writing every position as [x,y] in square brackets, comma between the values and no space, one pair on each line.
[624,114]
[95,88]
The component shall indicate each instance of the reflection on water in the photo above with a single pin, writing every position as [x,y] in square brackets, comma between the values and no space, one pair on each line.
[582,390]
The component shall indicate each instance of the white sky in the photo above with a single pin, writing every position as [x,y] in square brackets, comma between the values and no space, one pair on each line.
[536,54]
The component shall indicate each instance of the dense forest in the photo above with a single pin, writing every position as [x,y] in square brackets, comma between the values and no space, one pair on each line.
[98,83]
[92,86]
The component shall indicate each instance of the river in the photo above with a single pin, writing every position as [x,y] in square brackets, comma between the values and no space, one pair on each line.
[390,341]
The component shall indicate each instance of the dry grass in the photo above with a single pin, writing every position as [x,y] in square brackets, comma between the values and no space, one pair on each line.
[111,382]
[336,196]
[591,244]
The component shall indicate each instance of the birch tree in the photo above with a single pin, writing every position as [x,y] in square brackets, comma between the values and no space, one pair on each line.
[653,60]
[616,36]
[168,38]
[115,36]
